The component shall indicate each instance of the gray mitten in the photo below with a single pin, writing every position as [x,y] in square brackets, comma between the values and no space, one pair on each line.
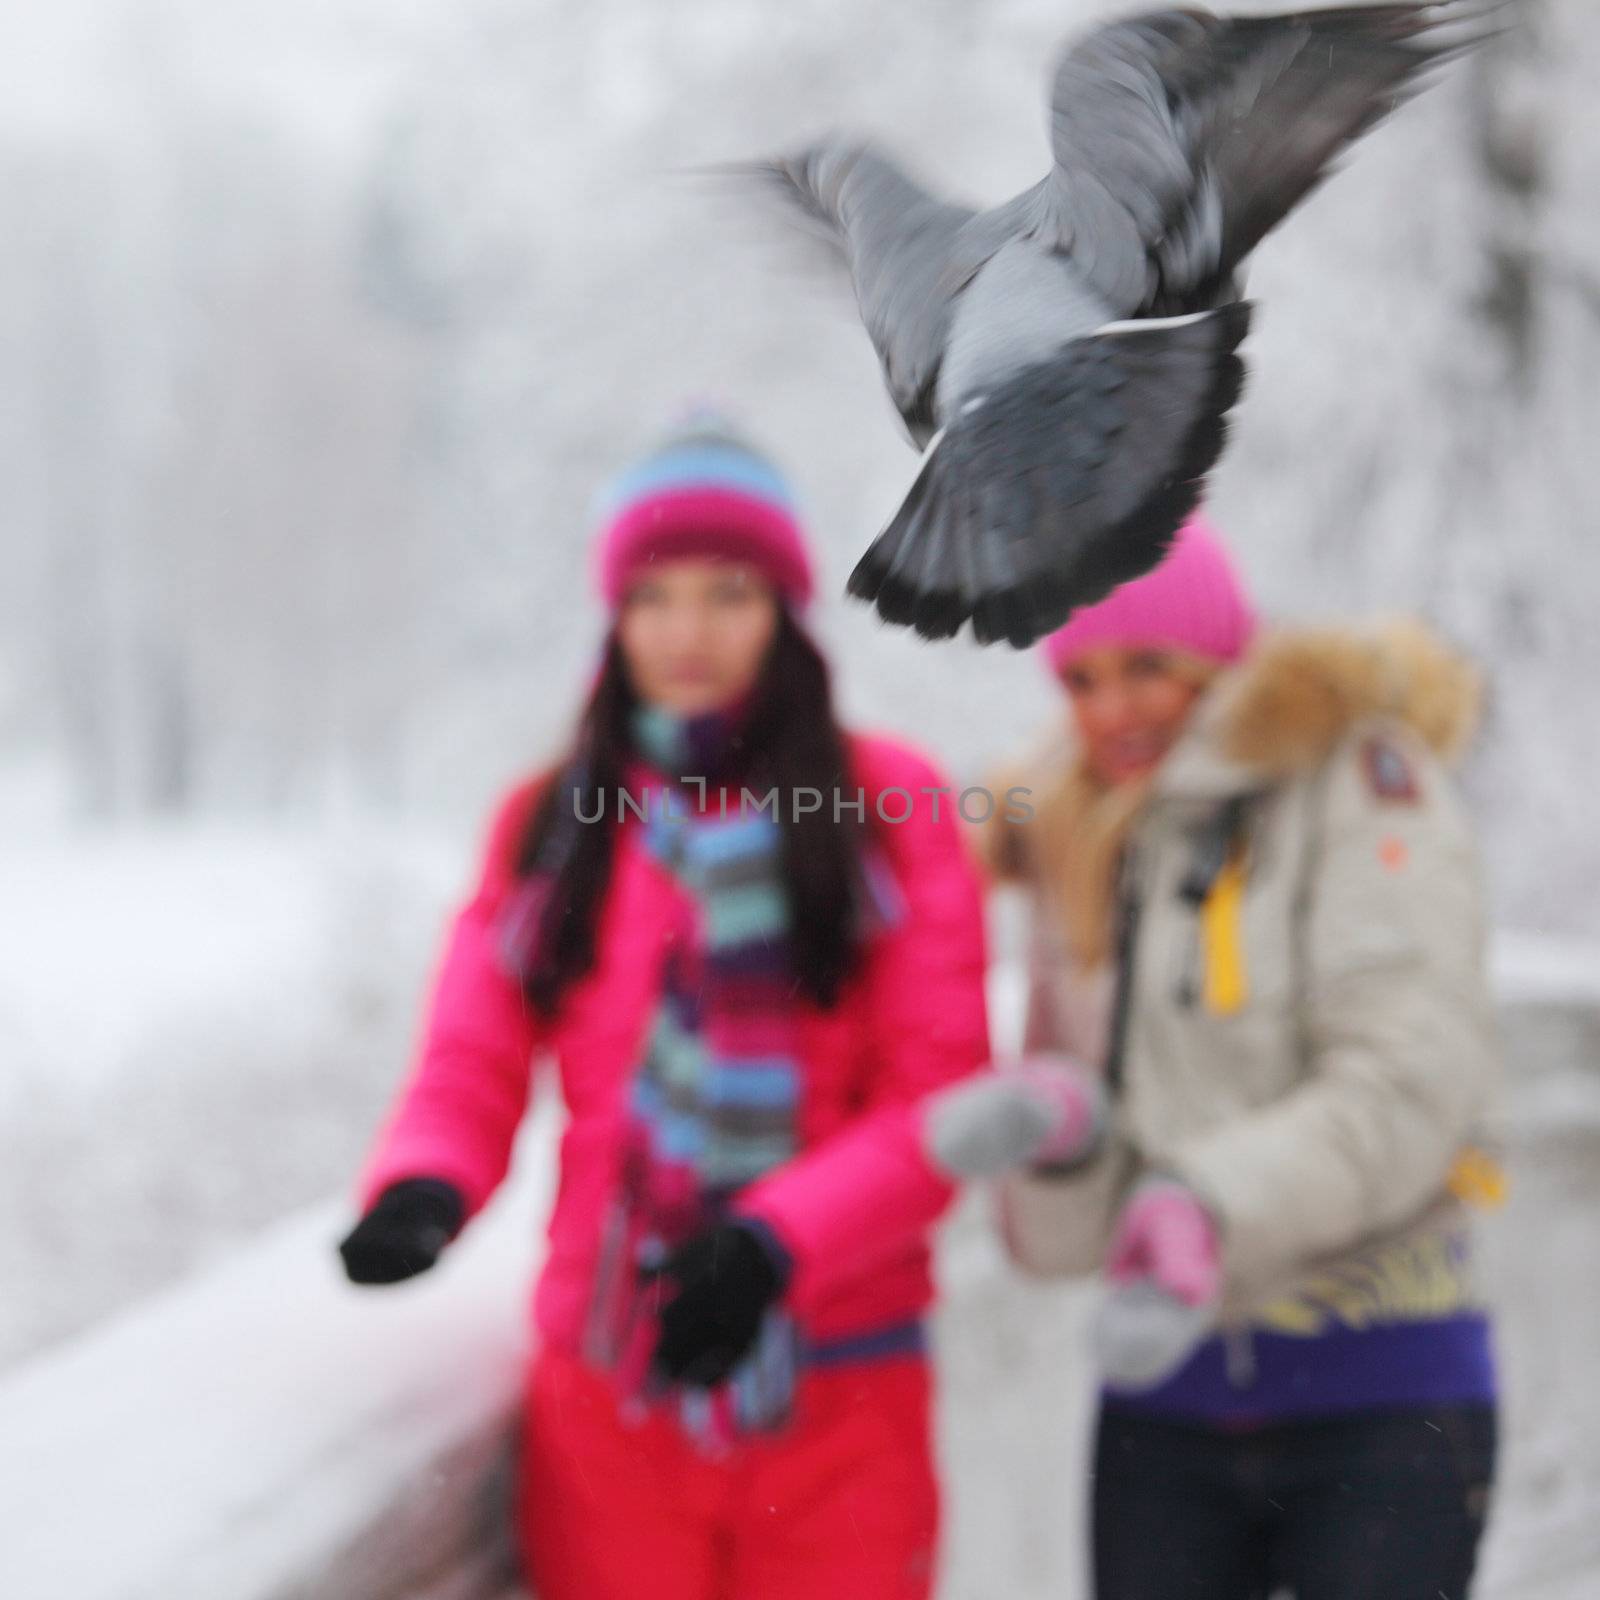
[1142,1334]
[1045,1110]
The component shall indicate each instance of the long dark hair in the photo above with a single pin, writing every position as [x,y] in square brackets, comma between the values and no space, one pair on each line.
[790,741]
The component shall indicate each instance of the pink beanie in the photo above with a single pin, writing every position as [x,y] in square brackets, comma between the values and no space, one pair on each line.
[1193,601]
[705,491]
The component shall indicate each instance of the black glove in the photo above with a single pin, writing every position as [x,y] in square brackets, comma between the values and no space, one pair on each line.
[403,1233]
[720,1284]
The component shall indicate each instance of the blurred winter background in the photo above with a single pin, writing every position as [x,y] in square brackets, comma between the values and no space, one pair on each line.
[322,320]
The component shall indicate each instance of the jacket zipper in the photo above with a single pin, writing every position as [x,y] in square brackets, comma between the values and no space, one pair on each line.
[1129,907]
[1213,850]
[1189,970]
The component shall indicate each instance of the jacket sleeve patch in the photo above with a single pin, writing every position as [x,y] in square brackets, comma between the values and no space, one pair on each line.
[1389,772]
[1392,852]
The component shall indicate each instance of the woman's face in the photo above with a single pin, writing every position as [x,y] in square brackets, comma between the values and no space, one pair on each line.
[1130,706]
[694,633]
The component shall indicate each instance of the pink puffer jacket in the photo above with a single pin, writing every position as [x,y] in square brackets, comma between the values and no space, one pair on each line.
[855,1204]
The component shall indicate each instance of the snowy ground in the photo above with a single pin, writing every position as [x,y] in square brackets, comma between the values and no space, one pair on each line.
[200,1030]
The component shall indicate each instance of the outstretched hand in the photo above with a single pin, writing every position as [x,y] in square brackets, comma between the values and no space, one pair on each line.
[403,1232]
[1046,1112]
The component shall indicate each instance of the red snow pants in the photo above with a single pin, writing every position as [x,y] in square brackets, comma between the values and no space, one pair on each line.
[841,1505]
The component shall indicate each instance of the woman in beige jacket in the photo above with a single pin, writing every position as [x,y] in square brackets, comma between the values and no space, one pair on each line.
[1257,919]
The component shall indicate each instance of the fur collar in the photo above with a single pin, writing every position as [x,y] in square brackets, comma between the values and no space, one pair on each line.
[1282,710]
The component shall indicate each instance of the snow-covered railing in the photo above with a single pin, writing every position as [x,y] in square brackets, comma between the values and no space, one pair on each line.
[266,1431]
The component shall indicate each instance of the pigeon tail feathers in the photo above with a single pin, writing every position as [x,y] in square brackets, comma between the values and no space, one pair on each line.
[1065,480]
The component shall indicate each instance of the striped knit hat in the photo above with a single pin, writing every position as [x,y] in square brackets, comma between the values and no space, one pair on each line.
[704,491]
[1194,601]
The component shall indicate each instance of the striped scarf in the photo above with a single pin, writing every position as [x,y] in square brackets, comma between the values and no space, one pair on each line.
[714,1101]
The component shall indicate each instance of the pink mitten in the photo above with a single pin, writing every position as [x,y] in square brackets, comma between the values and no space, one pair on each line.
[1077,1101]
[1166,1236]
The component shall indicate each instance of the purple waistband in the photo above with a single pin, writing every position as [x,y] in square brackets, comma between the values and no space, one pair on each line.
[898,1339]
[1257,1377]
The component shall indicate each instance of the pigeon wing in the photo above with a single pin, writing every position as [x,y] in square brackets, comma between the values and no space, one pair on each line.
[1181,138]
[908,252]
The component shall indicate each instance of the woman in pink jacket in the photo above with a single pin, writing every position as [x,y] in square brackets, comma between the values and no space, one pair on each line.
[746,973]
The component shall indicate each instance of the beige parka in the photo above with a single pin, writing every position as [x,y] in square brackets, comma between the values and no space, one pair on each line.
[1308,1042]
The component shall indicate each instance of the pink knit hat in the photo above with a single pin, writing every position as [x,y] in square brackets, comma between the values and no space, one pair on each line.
[705,491]
[1194,601]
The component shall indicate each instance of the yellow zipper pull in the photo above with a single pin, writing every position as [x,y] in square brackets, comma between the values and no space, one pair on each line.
[1226,984]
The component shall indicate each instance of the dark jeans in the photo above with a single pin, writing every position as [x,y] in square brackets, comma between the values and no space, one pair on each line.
[1374,1506]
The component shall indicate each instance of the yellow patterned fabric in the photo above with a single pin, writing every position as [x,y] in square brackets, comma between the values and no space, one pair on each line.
[1409,1280]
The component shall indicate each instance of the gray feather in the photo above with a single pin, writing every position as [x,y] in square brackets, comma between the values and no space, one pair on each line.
[1024,300]
[1065,480]
[1181,138]
[909,256]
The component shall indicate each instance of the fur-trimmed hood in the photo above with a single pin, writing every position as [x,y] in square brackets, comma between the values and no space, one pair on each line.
[1283,709]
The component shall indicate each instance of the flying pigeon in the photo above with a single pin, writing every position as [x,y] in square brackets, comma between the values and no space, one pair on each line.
[1066,361]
